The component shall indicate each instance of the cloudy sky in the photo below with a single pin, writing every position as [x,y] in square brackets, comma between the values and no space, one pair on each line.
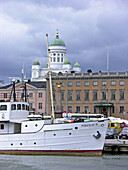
[86,26]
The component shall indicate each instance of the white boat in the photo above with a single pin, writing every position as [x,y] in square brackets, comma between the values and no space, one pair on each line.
[19,135]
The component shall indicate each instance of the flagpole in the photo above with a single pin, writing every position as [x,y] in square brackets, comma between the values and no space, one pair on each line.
[108,58]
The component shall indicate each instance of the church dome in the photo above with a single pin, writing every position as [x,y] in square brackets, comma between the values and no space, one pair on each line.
[67,61]
[76,65]
[57,41]
[46,66]
[36,62]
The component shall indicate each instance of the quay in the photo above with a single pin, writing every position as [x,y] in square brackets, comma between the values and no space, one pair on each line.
[115,146]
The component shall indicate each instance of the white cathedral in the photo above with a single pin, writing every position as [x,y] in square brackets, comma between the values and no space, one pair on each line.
[58,61]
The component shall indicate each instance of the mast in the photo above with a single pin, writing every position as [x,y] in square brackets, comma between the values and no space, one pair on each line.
[50,81]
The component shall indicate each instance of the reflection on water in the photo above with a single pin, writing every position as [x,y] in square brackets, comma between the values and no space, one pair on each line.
[106,162]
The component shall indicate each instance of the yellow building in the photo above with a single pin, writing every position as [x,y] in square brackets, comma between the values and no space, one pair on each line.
[99,92]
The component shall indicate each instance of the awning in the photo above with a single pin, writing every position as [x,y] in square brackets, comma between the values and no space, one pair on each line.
[103,104]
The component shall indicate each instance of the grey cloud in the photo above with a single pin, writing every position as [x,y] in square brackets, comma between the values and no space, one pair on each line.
[86,28]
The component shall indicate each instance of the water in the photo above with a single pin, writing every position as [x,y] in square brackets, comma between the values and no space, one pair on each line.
[106,162]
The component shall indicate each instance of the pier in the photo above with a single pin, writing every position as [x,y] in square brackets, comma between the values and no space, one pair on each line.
[116,146]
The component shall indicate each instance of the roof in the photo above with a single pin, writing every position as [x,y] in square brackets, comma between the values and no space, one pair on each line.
[57,41]
[67,61]
[37,84]
[76,65]
[5,87]
[36,62]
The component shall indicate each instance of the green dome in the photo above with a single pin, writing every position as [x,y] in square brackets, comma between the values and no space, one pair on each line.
[76,65]
[57,41]
[36,62]
[46,66]
[67,61]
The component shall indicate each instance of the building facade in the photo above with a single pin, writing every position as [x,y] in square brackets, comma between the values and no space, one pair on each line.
[36,95]
[103,92]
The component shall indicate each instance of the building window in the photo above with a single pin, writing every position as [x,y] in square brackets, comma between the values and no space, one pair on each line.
[113,110]
[22,96]
[86,83]
[61,54]
[95,83]
[54,95]
[62,59]
[40,105]
[62,84]
[78,83]
[86,95]
[5,95]
[104,96]
[69,84]
[54,54]
[86,109]
[62,95]
[70,108]
[40,95]
[58,54]
[94,109]
[113,83]
[1,126]
[104,83]
[113,94]
[30,95]
[30,105]
[54,59]
[77,109]
[53,84]
[121,94]
[62,108]
[121,109]
[58,59]
[69,95]
[94,95]
[121,83]
[77,95]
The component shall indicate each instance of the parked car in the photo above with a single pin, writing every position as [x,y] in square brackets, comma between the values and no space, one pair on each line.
[111,133]
[124,133]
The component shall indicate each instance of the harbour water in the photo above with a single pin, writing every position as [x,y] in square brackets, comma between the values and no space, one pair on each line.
[105,162]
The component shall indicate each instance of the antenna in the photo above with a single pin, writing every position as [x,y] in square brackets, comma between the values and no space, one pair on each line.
[50,81]
[108,58]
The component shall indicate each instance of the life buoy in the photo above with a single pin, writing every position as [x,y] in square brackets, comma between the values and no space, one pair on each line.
[115,149]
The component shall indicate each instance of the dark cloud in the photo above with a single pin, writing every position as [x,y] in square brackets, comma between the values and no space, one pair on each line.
[86,26]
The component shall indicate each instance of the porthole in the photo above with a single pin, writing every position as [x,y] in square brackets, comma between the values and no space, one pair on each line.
[20,143]
[26,125]
[34,143]
[11,144]
[54,134]
[69,133]
[36,125]
[76,127]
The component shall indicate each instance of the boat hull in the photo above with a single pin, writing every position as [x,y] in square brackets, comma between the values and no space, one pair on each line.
[54,152]
[74,139]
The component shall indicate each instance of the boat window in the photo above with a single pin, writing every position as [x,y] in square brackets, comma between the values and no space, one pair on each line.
[23,106]
[19,107]
[2,126]
[3,107]
[26,107]
[13,107]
